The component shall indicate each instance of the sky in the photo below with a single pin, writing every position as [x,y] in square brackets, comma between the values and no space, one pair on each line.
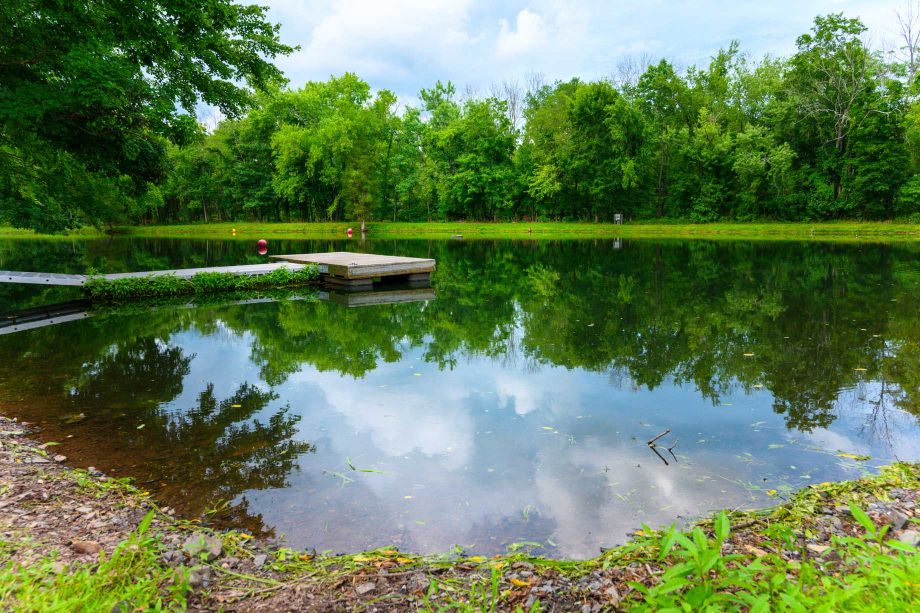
[404,45]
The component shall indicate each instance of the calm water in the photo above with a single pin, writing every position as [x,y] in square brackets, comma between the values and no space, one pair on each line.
[514,407]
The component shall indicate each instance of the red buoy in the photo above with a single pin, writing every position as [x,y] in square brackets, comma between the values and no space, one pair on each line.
[263,246]
[348,232]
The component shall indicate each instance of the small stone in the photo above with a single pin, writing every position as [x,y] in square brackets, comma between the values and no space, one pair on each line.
[585,608]
[259,560]
[86,547]
[199,577]
[60,458]
[522,566]
[173,557]
[897,520]
[203,544]
[818,549]
[612,594]
[911,537]
[364,588]
[418,583]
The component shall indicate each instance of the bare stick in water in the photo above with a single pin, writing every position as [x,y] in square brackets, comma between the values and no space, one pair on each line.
[652,442]
[661,457]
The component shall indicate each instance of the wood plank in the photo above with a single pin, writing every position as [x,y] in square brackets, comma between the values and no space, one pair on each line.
[40,278]
[348,265]
[51,278]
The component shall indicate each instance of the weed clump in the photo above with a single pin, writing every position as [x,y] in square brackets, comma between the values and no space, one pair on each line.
[100,289]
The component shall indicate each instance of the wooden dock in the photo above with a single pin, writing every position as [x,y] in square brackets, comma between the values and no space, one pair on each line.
[52,278]
[342,269]
[357,271]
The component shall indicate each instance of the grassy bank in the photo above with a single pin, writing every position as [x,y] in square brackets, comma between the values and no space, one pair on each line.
[836,231]
[77,540]
[849,231]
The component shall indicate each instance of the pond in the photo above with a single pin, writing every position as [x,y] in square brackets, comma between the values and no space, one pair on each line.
[512,407]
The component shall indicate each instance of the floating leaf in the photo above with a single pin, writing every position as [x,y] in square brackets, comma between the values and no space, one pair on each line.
[853,456]
[548,428]
[236,406]
[417,374]
[140,427]
[407,497]
[476,559]
[771,492]
[748,355]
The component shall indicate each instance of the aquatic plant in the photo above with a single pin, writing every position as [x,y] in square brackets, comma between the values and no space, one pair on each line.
[101,289]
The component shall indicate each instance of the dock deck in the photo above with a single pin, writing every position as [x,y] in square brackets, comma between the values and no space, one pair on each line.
[356,270]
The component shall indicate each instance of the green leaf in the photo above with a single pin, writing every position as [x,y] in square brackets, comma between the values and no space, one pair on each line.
[667,542]
[722,526]
[864,520]
[145,523]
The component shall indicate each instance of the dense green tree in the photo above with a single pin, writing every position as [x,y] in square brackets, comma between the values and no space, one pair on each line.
[90,92]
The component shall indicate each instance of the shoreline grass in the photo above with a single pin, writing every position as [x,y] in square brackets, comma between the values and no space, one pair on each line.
[843,231]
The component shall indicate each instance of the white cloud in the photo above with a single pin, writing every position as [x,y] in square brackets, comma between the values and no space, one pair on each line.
[409,44]
[385,43]
[528,34]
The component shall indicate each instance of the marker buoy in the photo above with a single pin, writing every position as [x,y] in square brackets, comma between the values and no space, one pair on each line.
[263,246]
[348,232]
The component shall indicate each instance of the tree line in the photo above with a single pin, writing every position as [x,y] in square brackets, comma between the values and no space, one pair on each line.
[830,132]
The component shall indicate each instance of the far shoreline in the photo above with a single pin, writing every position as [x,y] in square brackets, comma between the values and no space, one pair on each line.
[842,231]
